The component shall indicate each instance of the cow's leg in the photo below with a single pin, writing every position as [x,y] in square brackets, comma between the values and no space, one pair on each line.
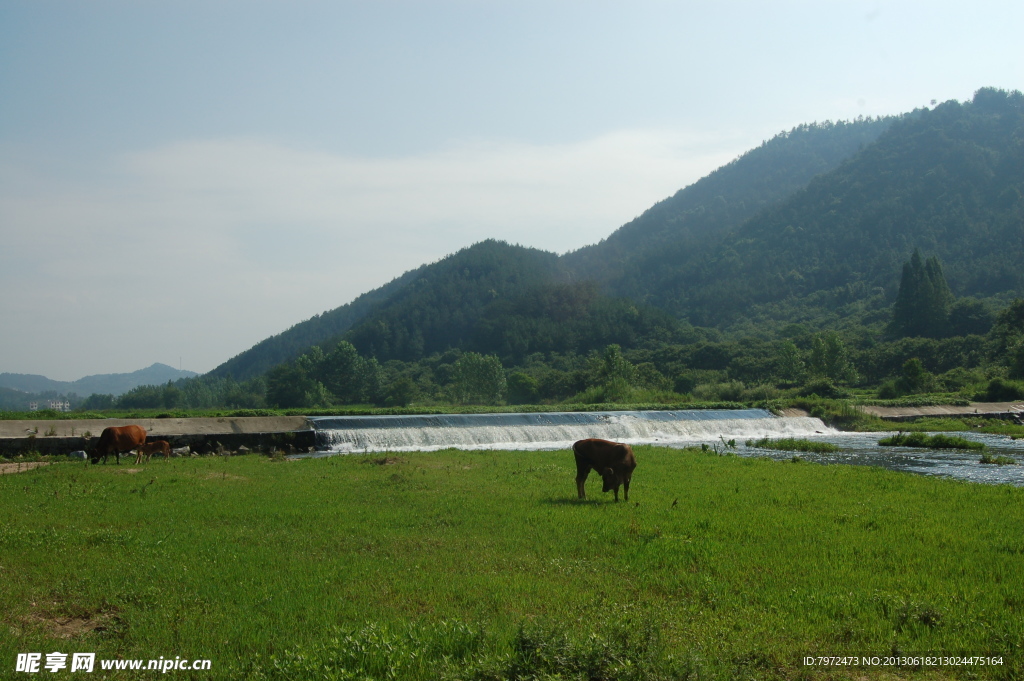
[625,489]
[581,479]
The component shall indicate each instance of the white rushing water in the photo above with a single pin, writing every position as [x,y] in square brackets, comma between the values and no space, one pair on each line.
[553,430]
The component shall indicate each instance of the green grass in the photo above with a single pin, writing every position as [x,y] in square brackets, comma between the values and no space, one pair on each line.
[484,565]
[939,441]
[789,444]
[999,460]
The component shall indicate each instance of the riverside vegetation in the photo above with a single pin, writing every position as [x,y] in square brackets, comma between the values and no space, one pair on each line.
[483,565]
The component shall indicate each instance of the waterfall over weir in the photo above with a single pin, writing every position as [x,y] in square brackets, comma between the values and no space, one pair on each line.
[552,430]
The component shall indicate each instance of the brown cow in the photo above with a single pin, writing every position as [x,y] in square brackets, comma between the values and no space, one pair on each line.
[147,450]
[117,439]
[613,460]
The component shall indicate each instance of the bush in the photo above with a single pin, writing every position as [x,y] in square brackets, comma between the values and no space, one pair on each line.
[923,440]
[730,391]
[822,387]
[794,445]
[998,460]
[522,388]
[1001,390]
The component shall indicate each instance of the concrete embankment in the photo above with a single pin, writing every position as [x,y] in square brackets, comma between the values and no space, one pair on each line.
[992,410]
[201,434]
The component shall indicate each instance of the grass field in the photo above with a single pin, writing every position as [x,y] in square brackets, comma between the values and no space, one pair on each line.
[483,565]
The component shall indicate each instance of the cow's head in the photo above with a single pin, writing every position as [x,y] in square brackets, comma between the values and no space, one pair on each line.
[94,453]
[611,481]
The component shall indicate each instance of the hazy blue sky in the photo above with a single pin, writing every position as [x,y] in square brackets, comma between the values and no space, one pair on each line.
[180,180]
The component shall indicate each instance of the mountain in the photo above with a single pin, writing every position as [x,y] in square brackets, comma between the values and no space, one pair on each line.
[947,181]
[438,305]
[112,384]
[813,226]
[442,305]
[316,330]
[640,256]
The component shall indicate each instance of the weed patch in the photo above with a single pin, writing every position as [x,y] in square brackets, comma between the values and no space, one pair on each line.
[794,445]
[925,441]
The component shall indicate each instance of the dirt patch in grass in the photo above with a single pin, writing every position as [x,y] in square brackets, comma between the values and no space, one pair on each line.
[127,470]
[223,476]
[6,468]
[71,626]
[386,460]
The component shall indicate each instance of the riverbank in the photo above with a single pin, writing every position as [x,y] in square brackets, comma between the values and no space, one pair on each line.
[997,410]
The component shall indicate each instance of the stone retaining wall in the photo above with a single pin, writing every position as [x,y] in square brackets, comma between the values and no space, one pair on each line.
[299,440]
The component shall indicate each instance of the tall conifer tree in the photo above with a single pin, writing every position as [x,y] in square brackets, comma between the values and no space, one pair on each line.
[924,300]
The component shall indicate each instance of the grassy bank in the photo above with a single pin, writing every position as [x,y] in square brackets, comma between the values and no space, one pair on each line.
[484,565]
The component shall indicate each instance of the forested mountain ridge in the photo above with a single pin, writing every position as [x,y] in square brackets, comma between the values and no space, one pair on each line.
[635,259]
[289,344]
[813,226]
[444,307]
[947,181]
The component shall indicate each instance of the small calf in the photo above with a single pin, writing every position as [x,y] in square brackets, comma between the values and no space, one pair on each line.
[147,450]
[613,460]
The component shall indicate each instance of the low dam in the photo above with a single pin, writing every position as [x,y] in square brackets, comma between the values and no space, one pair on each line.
[552,430]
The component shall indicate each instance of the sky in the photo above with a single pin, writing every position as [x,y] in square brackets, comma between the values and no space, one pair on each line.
[180,180]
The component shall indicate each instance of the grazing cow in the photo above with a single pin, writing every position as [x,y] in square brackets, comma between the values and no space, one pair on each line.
[613,460]
[147,450]
[117,439]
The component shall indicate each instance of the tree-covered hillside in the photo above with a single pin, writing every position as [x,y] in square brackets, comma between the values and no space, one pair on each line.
[641,256]
[289,344]
[443,305]
[449,297]
[947,181]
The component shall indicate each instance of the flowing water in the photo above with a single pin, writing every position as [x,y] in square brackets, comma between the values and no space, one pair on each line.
[713,427]
[861,449]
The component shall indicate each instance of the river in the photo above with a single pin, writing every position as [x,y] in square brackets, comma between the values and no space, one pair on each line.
[713,427]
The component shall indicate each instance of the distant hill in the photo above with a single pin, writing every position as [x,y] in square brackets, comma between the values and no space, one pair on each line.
[112,384]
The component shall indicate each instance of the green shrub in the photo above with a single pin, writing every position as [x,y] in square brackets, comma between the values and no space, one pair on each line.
[923,440]
[999,460]
[822,387]
[794,445]
[1001,390]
